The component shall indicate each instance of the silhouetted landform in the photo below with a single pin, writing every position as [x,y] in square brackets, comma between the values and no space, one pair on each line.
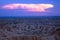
[30,28]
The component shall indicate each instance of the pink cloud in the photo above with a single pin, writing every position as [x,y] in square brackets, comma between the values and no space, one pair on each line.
[29,7]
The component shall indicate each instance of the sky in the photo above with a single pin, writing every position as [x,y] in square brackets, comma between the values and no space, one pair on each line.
[29,8]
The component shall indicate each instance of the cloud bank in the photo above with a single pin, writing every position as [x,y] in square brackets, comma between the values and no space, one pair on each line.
[29,7]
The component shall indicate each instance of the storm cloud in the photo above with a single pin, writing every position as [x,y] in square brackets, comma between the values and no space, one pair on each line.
[28,7]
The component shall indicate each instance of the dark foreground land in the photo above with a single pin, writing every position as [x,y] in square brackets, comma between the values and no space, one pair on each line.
[30,28]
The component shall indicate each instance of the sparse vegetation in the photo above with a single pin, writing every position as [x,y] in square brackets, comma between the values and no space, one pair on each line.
[28,29]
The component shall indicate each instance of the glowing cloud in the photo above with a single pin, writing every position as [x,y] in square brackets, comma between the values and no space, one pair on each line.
[29,7]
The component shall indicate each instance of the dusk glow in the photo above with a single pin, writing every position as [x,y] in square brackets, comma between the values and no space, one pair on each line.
[29,7]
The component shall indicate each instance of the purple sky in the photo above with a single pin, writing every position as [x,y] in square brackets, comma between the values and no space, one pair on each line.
[55,11]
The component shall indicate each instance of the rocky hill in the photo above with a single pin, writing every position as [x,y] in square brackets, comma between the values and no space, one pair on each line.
[29,29]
